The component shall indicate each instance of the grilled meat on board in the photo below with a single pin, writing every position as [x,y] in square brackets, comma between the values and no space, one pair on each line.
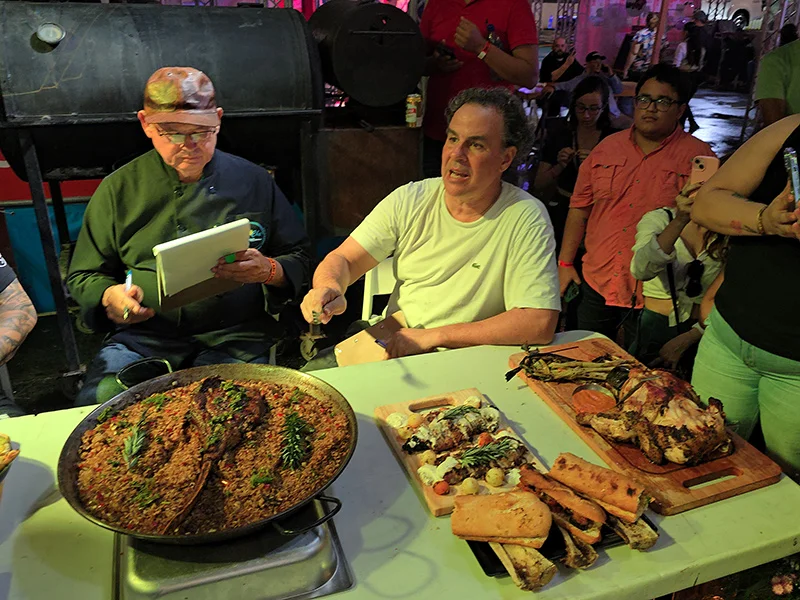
[663,416]
[447,429]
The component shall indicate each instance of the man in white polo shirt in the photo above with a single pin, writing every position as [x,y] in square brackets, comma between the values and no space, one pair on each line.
[473,255]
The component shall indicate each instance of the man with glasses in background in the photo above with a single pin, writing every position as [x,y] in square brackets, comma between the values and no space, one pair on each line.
[626,175]
[595,67]
[183,186]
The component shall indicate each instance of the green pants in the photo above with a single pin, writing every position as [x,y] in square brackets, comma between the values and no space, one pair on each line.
[752,383]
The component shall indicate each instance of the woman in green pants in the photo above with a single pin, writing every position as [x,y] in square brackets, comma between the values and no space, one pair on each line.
[749,357]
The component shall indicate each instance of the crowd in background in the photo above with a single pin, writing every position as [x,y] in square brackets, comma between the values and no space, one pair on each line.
[647,254]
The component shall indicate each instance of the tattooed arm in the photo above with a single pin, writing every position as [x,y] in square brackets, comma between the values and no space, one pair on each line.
[17,318]
[722,204]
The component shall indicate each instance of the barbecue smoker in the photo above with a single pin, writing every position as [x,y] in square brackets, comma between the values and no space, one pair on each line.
[72,77]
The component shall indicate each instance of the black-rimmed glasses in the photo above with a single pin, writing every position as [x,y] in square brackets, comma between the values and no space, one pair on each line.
[592,110]
[663,104]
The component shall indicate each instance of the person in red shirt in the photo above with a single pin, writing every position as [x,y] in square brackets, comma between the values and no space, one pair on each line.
[462,56]
[627,175]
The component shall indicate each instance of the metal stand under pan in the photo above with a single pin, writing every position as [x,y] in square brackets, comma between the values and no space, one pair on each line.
[263,566]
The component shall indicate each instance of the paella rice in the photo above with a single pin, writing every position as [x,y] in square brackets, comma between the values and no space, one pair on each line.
[210,456]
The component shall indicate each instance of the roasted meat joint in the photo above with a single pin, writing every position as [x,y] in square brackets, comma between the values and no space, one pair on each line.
[213,455]
[651,409]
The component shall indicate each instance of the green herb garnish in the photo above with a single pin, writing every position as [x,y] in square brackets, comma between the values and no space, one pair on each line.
[295,440]
[297,395]
[104,414]
[216,436]
[236,395]
[134,443]
[157,400]
[481,456]
[260,477]
[459,411]
[145,496]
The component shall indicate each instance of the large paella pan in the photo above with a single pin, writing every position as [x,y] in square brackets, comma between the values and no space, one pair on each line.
[207,453]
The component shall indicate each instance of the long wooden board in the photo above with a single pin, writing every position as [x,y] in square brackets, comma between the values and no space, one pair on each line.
[675,488]
[438,505]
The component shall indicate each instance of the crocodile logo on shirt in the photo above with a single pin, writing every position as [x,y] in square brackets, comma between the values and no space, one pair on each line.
[476,266]
[258,235]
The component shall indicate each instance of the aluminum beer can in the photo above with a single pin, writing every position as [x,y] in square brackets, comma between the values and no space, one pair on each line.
[412,110]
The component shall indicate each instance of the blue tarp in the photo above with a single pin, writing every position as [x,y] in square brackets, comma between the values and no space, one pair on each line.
[28,253]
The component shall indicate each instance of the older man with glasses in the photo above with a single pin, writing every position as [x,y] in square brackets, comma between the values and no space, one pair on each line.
[627,175]
[183,186]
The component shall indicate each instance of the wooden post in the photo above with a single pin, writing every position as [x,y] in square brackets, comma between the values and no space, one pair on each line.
[662,24]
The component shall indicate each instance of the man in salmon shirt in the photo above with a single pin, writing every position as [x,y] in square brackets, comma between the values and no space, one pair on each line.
[462,56]
[627,175]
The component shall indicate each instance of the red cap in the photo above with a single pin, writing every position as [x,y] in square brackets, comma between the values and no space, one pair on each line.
[180,95]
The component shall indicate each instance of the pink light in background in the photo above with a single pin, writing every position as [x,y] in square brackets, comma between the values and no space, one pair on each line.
[603,24]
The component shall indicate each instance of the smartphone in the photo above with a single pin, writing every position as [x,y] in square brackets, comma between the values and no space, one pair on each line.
[445,50]
[571,292]
[703,167]
[790,160]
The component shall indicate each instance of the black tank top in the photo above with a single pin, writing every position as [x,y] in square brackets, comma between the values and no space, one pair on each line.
[760,296]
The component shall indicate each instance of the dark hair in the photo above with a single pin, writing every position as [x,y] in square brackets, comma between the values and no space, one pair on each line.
[788,34]
[670,75]
[589,85]
[516,132]
[651,15]
[716,245]
[694,44]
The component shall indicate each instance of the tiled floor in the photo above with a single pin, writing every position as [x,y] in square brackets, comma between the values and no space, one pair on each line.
[720,116]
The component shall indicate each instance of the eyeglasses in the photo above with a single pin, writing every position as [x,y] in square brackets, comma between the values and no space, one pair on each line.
[180,138]
[662,104]
[592,110]
[694,274]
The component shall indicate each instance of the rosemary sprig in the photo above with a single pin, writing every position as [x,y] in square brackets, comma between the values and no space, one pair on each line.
[459,411]
[295,440]
[483,455]
[297,396]
[135,442]
[104,414]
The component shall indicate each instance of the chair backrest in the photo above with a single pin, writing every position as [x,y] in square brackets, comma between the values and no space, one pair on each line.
[5,382]
[377,282]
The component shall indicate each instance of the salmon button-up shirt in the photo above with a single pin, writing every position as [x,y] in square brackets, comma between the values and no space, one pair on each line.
[621,184]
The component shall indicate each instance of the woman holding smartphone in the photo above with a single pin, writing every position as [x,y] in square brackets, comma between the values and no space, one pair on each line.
[749,357]
[677,260]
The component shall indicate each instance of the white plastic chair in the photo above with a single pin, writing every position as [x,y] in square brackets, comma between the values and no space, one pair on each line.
[377,282]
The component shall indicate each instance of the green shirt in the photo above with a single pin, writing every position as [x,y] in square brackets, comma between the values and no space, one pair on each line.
[144,204]
[779,76]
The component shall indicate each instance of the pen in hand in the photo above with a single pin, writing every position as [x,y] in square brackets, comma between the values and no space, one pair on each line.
[128,283]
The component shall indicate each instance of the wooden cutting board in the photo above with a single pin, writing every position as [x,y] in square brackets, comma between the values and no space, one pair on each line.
[438,505]
[675,488]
